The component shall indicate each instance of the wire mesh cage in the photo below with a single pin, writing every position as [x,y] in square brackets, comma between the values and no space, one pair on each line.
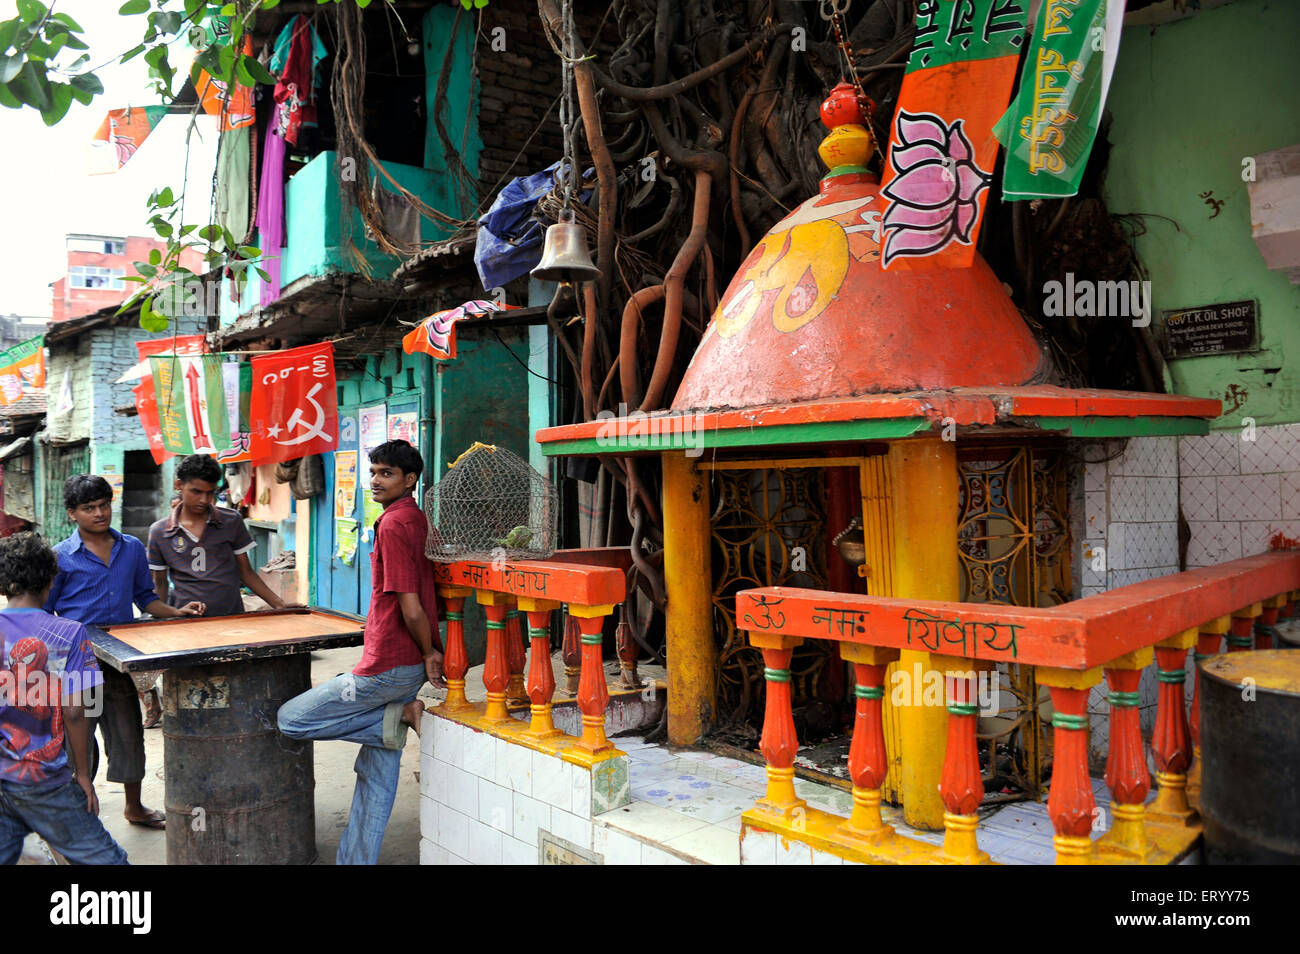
[491,505]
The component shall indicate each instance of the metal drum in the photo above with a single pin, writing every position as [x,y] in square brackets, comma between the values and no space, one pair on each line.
[1250,751]
[238,792]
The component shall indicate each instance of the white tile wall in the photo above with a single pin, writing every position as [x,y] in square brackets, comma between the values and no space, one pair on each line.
[1274,449]
[1250,497]
[1291,495]
[552,780]
[1212,455]
[616,847]
[484,844]
[570,827]
[1199,498]
[516,852]
[1255,491]
[514,768]
[495,806]
[480,756]
[453,831]
[529,815]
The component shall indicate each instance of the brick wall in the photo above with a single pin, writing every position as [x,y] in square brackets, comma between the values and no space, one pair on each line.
[113,352]
[70,360]
[517,87]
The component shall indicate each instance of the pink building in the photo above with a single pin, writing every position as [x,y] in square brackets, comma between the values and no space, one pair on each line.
[97,267]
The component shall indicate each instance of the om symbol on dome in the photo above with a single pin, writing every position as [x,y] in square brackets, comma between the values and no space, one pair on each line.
[798,268]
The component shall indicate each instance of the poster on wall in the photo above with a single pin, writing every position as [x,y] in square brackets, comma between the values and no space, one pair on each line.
[370,511]
[374,427]
[345,483]
[115,481]
[404,425]
[346,533]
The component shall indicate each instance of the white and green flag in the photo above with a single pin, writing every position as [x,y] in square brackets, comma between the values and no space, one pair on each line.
[192,410]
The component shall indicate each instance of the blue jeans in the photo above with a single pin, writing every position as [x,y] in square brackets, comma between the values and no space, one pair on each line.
[366,710]
[58,814]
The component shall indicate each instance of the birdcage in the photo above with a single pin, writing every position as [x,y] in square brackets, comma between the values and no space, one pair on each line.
[491,506]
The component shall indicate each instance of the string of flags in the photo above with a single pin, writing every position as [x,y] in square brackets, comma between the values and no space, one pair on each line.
[952,115]
[279,406]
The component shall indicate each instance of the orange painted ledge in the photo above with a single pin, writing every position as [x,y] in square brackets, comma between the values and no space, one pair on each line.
[574,583]
[965,406]
[1078,635]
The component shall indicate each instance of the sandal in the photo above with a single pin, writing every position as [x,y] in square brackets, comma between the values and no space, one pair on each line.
[155,819]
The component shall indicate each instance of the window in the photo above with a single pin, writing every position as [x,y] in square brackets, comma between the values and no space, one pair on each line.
[93,276]
[96,244]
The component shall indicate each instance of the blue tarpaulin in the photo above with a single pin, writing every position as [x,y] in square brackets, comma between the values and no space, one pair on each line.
[509,234]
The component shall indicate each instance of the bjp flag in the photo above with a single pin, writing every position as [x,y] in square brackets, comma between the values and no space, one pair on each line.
[941,145]
[125,130]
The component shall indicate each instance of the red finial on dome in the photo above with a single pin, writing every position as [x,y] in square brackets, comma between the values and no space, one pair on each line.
[841,107]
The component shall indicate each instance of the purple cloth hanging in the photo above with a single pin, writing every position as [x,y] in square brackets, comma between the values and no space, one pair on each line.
[270,209]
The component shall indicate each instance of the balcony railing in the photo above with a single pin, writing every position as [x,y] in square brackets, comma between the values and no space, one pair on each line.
[1120,633]
[591,583]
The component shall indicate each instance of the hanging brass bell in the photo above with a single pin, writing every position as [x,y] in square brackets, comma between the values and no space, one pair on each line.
[564,255]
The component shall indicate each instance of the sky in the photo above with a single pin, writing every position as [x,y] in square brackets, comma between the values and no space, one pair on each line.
[46,190]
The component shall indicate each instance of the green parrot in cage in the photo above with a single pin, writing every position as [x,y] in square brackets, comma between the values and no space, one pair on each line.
[517,539]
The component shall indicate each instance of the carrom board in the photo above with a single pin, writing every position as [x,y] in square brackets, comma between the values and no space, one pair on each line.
[172,643]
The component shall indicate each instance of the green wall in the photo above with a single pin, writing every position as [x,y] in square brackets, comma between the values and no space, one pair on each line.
[1190,100]
[451,25]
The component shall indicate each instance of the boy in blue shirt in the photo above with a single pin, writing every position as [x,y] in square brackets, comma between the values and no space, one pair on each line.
[48,680]
[101,573]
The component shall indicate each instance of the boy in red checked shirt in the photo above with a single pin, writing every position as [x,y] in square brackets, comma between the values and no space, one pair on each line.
[375,703]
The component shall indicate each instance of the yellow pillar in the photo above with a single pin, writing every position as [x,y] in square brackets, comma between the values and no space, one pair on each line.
[692,654]
[923,478]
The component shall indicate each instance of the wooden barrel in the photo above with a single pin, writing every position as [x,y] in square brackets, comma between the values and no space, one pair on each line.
[1250,751]
[238,792]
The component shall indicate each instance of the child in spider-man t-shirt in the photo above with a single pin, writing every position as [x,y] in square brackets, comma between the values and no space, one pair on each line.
[48,678]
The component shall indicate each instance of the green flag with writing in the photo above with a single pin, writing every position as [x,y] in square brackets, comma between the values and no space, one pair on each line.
[1052,123]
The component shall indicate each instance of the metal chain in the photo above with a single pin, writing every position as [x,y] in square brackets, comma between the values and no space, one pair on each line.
[833,11]
[568,165]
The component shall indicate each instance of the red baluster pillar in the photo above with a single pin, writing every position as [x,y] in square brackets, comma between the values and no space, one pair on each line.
[626,646]
[779,743]
[515,657]
[1241,634]
[1171,742]
[455,662]
[496,667]
[868,760]
[1267,620]
[1070,804]
[1208,641]
[960,786]
[593,695]
[541,674]
[571,653]
[1126,762]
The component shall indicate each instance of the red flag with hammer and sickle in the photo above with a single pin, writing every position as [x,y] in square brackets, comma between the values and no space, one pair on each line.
[294,408]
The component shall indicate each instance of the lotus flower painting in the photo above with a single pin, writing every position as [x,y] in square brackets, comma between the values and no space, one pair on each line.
[935,192]
[941,145]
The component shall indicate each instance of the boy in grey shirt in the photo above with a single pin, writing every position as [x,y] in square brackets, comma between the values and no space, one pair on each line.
[204,548]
